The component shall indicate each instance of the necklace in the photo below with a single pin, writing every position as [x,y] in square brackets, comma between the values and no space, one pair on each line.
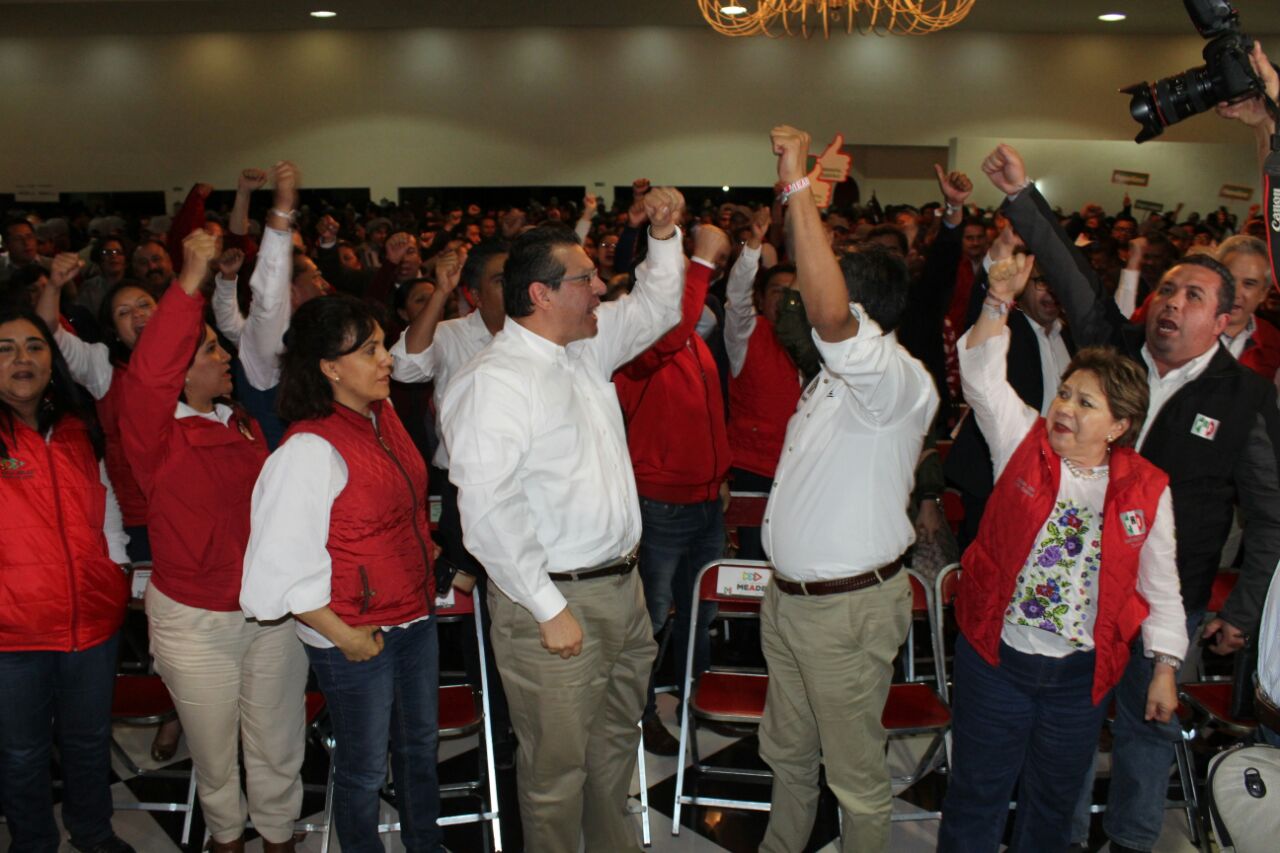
[1086,473]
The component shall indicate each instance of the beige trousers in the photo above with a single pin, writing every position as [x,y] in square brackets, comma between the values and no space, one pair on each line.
[576,719]
[234,680]
[830,661]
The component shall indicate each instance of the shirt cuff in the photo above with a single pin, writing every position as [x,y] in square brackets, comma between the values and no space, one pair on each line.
[708,264]
[415,367]
[546,602]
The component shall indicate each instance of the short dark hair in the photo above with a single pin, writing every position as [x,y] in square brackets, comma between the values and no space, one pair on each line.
[13,222]
[1226,290]
[532,259]
[765,275]
[1124,384]
[890,230]
[324,328]
[62,396]
[477,258]
[876,279]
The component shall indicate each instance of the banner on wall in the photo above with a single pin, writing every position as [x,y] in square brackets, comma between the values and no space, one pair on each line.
[1130,179]
[1235,191]
[35,193]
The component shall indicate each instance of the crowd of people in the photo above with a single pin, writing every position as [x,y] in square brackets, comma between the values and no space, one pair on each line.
[260,411]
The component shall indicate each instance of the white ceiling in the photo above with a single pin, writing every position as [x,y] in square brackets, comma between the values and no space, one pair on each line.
[90,17]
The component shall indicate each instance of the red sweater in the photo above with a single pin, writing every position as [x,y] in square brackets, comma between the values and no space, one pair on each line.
[197,474]
[378,529]
[671,401]
[762,399]
[60,590]
[1021,501]
[133,504]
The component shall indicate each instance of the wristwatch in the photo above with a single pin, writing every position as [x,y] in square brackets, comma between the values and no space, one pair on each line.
[1161,657]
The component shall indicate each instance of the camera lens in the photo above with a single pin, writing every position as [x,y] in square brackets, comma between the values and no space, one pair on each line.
[1169,101]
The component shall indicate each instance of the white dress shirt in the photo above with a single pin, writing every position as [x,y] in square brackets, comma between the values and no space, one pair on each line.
[260,337]
[90,364]
[839,501]
[1161,388]
[455,343]
[537,445]
[1054,359]
[1269,643]
[1005,420]
[739,309]
[1237,344]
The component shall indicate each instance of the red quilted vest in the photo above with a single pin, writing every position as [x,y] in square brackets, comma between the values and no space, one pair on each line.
[762,398]
[59,589]
[1022,500]
[378,529]
[133,503]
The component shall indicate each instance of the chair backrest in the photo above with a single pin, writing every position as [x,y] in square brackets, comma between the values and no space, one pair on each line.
[455,603]
[736,585]
[433,511]
[746,509]
[944,596]
[953,509]
[944,449]
[921,595]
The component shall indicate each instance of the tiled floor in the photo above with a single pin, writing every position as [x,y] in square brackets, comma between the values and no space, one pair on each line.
[704,830]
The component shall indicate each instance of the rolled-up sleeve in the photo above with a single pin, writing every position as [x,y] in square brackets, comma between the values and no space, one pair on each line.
[287,567]
[1002,416]
[413,367]
[631,325]
[1165,628]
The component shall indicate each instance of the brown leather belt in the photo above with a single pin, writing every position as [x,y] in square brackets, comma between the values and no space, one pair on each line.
[830,587]
[1265,710]
[608,570]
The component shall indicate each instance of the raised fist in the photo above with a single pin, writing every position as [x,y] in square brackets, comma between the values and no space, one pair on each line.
[250,180]
[229,263]
[663,206]
[956,186]
[202,190]
[285,176]
[66,266]
[1005,169]
[760,222]
[590,203]
[711,244]
[449,270]
[397,244]
[1007,278]
[792,147]
[639,186]
[199,248]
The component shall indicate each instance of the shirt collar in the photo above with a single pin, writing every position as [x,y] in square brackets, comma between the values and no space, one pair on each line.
[1179,375]
[549,351]
[1246,332]
[221,412]
[476,324]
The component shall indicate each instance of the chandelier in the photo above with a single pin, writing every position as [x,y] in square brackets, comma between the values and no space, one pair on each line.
[804,17]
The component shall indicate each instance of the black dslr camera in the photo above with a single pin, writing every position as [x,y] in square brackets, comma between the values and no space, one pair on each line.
[1226,74]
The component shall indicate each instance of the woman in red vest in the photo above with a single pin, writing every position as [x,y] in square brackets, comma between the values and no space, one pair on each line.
[1074,558]
[62,597]
[196,455]
[341,541]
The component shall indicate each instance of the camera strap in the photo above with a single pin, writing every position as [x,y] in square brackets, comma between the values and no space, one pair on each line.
[1271,193]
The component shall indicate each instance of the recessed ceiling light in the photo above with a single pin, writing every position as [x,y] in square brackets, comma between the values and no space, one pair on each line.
[1112,17]
[724,189]
[733,9]
[323,14]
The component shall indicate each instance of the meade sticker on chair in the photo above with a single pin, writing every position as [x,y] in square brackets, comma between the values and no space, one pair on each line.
[445,602]
[744,581]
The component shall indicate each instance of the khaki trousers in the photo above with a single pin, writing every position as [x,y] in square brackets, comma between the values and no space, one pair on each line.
[830,661]
[576,720]
[233,680]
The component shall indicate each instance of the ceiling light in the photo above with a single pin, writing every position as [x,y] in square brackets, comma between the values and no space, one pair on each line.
[323,14]
[1112,17]
[805,17]
[724,189]
[733,9]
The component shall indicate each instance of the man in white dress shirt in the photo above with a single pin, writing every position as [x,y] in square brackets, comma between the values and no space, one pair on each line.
[548,501]
[835,528]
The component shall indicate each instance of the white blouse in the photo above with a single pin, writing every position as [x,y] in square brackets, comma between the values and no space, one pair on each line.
[1055,603]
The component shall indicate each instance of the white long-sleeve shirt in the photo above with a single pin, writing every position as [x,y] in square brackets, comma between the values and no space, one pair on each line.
[537,445]
[90,364]
[455,343]
[739,309]
[1269,643]
[1005,420]
[839,502]
[260,336]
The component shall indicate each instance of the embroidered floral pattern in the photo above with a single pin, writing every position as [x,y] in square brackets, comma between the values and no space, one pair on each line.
[1057,585]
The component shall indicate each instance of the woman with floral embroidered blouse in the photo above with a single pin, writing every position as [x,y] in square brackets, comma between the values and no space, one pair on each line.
[1074,558]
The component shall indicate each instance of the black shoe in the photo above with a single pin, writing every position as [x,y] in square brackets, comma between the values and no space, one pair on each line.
[657,739]
[114,844]
[504,753]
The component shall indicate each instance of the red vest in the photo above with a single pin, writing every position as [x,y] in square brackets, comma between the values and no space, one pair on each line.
[762,398]
[378,529]
[133,503]
[1021,501]
[59,589]
[1262,353]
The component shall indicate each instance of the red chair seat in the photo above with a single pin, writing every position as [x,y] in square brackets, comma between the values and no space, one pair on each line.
[314,700]
[912,707]
[458,713]
[1214,698]
[730,697]
[140,699]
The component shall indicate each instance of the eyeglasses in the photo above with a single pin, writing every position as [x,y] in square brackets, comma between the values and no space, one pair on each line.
[111,252]
[1039,282]
[585,278]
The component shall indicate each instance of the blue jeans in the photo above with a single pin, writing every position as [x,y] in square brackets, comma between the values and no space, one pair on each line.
[1030,718]
[676,542]
[66,695]
[1141,755]
[390,697]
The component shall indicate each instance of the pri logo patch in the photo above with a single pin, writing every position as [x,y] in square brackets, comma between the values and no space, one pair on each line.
[1205,427]
[14,469]
[1134,522]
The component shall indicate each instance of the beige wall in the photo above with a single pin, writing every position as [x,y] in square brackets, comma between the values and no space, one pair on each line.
[425,107]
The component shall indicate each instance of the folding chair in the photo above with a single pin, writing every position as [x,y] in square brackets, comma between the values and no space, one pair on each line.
[746,509]
[315,708]
[464,711]
[944,597]
[734,697]
[143,700]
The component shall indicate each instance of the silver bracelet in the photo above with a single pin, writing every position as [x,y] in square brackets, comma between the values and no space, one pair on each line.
[291,215]
[1161,657]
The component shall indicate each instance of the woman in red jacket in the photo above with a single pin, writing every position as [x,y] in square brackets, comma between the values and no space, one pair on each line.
[341,540]
[1073,559]
[196,457]
[62,597]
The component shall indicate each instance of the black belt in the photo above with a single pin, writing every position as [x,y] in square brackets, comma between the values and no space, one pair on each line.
[1265,710]
[621,566]
[830,587]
